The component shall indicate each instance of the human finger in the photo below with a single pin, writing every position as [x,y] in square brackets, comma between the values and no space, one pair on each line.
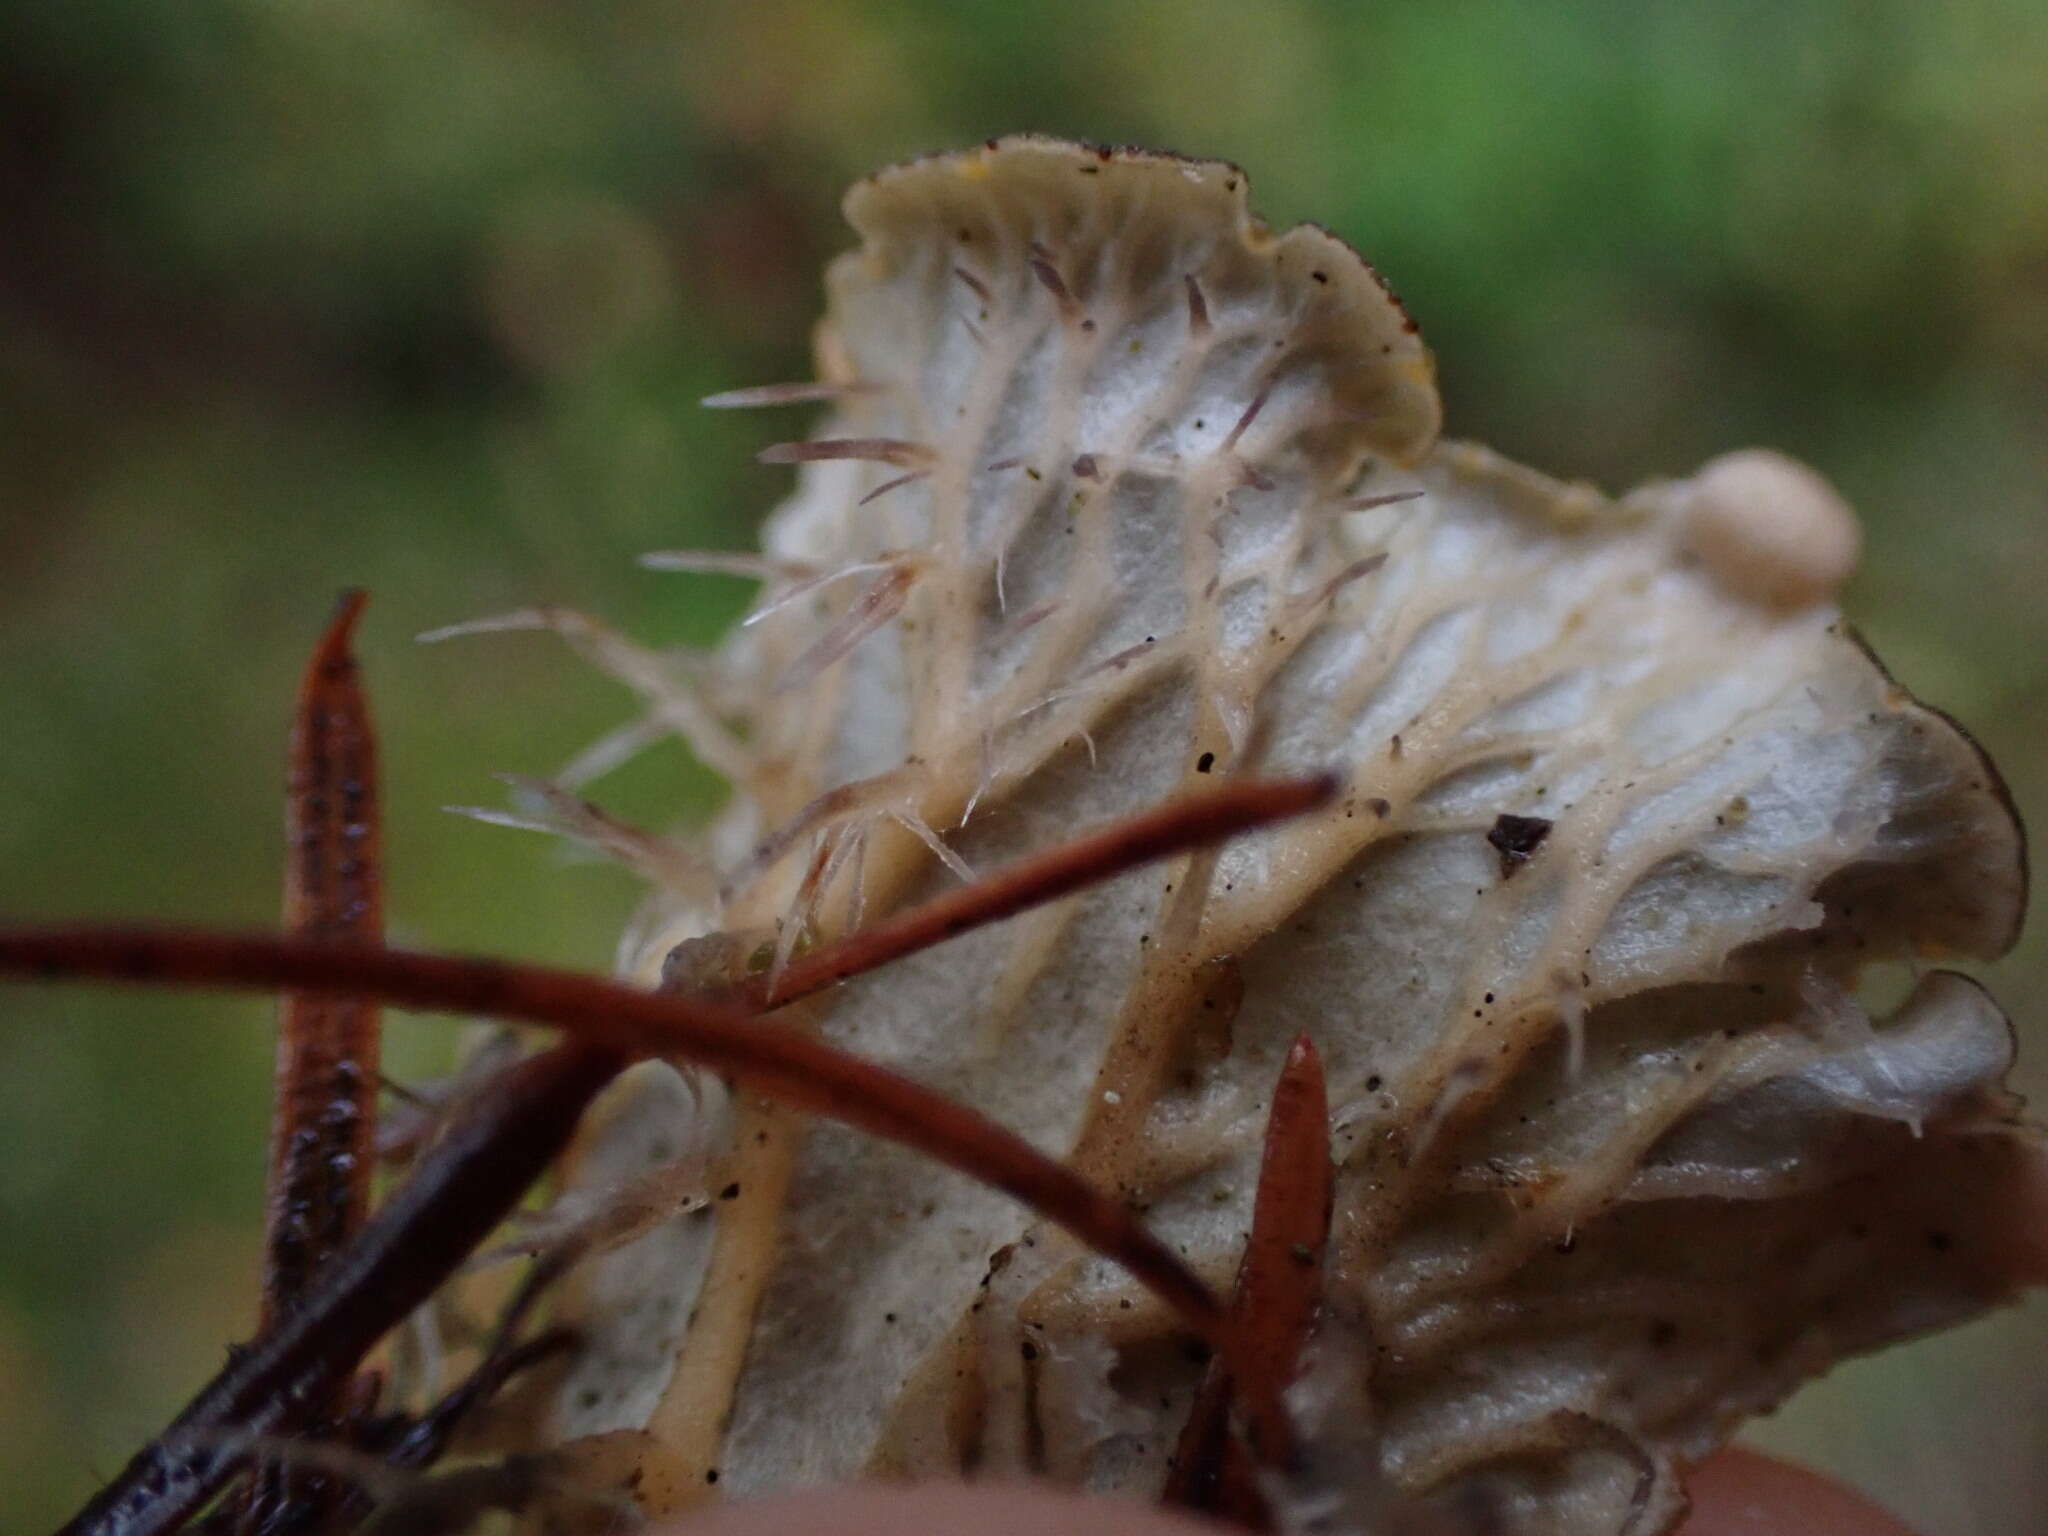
[1742,1493]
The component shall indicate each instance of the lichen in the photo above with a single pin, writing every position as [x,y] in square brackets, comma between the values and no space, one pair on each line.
[1120,493]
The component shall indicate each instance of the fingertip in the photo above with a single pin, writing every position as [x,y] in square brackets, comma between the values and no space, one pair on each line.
[1742,1493]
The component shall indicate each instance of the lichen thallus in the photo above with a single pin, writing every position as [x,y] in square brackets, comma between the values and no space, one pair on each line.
[338,1277]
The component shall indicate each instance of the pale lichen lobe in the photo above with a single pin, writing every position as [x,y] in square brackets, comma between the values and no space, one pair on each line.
[1140,495]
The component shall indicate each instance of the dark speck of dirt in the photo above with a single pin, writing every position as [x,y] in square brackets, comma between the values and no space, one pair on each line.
[1516,839]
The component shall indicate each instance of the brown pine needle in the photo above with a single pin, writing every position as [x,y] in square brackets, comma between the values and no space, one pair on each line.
[770,1058]
[1191,821]
[324,1125]
[1279,1291]
[1279,1285]
[323,1130]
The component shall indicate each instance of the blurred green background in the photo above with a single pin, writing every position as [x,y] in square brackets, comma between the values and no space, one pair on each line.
[295,295]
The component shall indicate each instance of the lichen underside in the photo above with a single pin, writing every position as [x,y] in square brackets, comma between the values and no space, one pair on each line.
[1585,944]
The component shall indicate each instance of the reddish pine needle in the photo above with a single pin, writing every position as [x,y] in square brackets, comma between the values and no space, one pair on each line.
[1279,1285]
[1190,821]
[324,1126]
[323,1129]
[1279,1291]
[771,1058]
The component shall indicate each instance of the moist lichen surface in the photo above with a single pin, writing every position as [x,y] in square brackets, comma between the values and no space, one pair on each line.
[1119,493]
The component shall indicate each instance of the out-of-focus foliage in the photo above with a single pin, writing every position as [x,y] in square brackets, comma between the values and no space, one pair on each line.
[421,297]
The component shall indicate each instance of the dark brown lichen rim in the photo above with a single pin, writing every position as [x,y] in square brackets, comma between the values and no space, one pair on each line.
[1995,786]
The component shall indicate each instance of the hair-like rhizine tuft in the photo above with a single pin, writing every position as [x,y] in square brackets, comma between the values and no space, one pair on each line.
[1146,496]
